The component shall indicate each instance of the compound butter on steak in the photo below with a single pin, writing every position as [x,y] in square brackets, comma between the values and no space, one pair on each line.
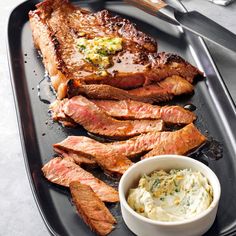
[99,48]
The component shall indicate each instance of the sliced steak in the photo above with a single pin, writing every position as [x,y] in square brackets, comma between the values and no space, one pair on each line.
[91,209]
[96,121]
[129,109]
[88,147]
[181,143]
[57,113]
[163,91]
[63,172]
[130,148]
[77,158]
[114,165]
[56,27]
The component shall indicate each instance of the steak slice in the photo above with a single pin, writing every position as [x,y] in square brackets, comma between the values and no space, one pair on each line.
[114,165]
[63,172]
[91,209]
[95,120]
[163,91]
[188,136]
[129,109]
[57,113]
[78,159]
[56,27]
[181,143]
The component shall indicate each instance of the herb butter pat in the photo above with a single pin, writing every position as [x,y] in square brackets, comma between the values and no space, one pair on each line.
[171,196]
[98,50]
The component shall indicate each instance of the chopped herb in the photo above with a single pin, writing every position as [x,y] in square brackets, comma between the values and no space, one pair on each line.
[81,47]
[175,183]
[162,198]
[155,184]
[98,50]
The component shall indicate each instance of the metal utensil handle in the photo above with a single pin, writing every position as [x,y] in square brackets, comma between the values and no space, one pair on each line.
[152,6]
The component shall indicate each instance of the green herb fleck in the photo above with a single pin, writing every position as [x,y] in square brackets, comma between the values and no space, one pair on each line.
[155,184]
[98,50]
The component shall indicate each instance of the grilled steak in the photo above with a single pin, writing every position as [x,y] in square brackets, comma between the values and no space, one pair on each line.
[188,136]
[129,109]
[114,165]
[95,120]
[57,27]
[63,172]
[92,210]
[163,91]
[56,109]
[182,142]
[78,159]
[84,146]
[90,148]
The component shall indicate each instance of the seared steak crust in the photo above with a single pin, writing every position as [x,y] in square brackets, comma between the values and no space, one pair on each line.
[63,172]
[92,210]
[163,91]
[95,120]
[57,25]
[182,142]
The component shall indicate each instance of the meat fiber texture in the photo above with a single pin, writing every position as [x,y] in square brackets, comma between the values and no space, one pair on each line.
[92,210]
[162,91]
[179,142]
[63,172]
[130,110]
[56,27]
[95,120]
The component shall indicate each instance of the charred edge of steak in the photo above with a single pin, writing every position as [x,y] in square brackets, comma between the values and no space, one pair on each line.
[164,58]
[126,29]
[61,65]
[41,17]
[162,91]
[46,7]
[168,64]
[93,91]
[115,23]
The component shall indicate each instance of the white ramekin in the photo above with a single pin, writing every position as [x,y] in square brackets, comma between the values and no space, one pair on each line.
[143,226]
